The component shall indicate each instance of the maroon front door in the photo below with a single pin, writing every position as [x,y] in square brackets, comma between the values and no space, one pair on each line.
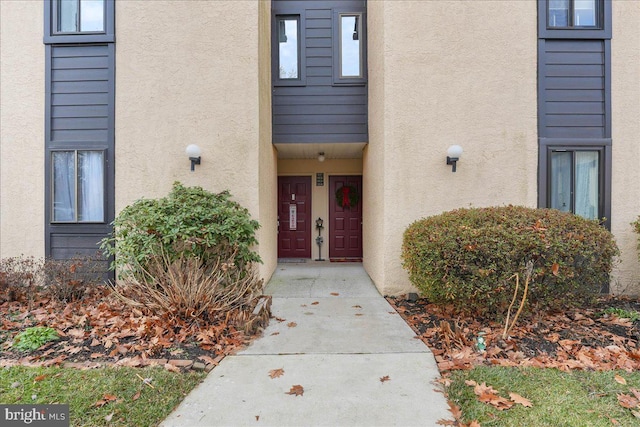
[294,217]
[345,223]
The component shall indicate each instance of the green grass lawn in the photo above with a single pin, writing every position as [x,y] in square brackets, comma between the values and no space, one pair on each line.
[560,399]
[129,401]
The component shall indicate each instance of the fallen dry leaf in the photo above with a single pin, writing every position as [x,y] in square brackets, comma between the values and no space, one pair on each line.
[292,324]
[627,401]
[208,359]
[275,373]
[40,377]
[620,380]
[315,303]
[474,423]
[488,394]
[359,314]
[171,368]
[275,333]
[109,397]
[136,396]
[335,294]
[296,390]
[385,378]
[108,418]
[75,333]
[554,268]
[356,306]
[455,410]
[444,422]
[498,402]
[515,397]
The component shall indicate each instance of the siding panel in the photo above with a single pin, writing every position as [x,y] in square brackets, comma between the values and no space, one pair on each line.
[80,111]
[573,89]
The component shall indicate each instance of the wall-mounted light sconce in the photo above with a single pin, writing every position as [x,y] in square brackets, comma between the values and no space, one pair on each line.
[453,155]
[321,156]
[193,151]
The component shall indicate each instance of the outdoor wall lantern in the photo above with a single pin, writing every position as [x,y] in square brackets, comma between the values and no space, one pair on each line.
[453,155]
[321,156]
[193,151]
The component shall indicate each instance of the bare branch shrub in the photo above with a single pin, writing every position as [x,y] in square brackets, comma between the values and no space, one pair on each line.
[68,279]
[189,290]
[20,278]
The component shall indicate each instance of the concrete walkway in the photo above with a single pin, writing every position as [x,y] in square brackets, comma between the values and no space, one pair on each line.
[337,338]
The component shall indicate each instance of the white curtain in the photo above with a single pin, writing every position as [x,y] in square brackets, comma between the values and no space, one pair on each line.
[586,183]
[561,181]
[91,186]
[64,189]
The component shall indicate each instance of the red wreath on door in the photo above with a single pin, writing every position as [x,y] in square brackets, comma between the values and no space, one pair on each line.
[347,196]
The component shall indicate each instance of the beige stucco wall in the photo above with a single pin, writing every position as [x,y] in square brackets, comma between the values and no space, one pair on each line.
[625,95]
[185,77]
[446,77]
[187,73]
[320,196]
[373,178]
[267,168]
[21,129]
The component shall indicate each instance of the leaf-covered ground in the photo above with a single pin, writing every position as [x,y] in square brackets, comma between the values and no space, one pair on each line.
[595,347]
[584,338]
[99,328]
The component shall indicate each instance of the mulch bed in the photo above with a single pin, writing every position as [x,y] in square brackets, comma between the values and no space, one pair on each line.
[100,330]
[585,338]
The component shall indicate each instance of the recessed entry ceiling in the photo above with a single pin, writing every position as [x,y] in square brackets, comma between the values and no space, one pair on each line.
[342,150]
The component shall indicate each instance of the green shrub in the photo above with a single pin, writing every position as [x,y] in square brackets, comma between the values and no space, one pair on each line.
[190,222]
[34,338]
[465,257]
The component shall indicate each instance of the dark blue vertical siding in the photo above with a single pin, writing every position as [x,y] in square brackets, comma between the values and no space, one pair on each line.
[80,116]
[319,111]
[573,89]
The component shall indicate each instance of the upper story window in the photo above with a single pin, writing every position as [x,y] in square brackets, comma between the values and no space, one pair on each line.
[288,50]
[574,14]
[80,16]
[288,47]
[79,21]
[349,44]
